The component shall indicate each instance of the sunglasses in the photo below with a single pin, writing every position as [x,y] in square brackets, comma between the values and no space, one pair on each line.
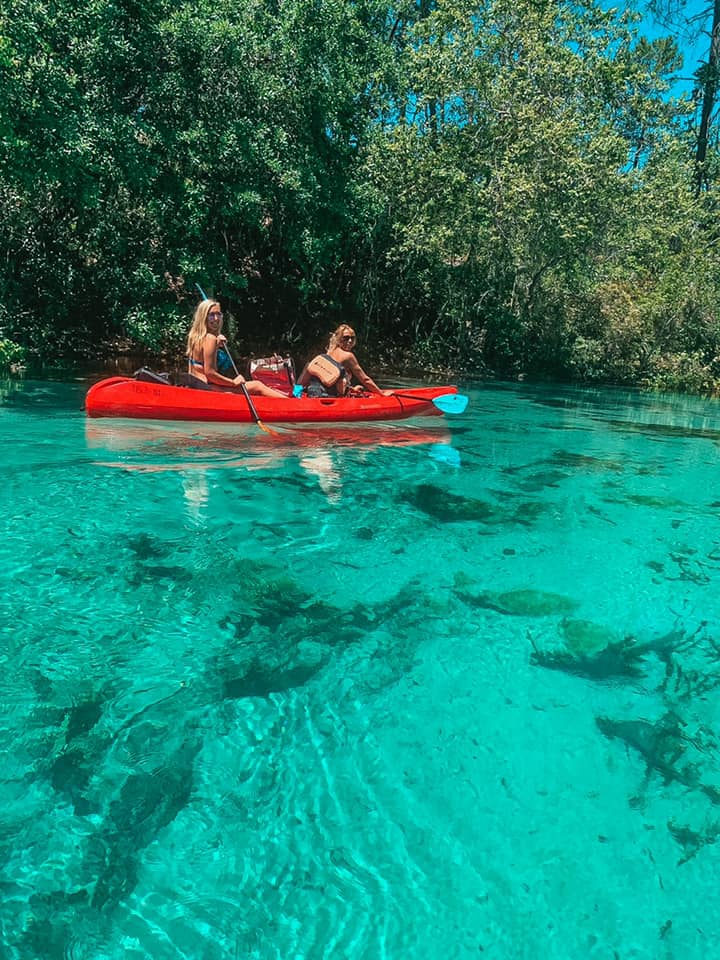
[215,316]
[347,339]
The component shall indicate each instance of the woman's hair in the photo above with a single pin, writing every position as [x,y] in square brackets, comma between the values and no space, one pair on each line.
[336,336]
[198,330]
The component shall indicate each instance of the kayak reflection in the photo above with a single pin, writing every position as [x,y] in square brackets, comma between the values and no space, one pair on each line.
[152,446]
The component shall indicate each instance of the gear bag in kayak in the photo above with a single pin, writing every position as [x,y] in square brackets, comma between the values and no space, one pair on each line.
[277,372]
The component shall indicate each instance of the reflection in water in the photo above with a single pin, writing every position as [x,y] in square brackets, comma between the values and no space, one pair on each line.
[195,491]
[195,449]
[322,466]
[446,453]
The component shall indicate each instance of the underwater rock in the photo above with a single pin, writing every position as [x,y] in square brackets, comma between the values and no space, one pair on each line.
[585,636]
[44,938]
[70,775]
[290,612]
[530,511]
[82,718]
[319,620]
[271,600]
[150,801]
[146,547]
[117,880]
[143,571]
[538,482]
[657,503]
[448,507]
[42,685]
[520,603]
[263,667]
[664,429]
[566,458]
[263,679]
[71,766]
[146,803]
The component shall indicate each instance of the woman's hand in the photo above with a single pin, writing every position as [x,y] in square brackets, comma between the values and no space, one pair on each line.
[238,380]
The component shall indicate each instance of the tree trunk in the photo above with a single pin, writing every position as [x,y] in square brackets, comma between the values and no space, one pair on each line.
[709,85]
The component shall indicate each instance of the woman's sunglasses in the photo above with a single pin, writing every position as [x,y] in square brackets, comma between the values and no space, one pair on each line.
[348,339]
[215,316]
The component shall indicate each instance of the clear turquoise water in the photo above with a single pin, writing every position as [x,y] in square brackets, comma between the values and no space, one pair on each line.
[361,694]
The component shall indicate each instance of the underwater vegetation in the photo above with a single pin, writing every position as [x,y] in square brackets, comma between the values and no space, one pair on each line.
[615,659]
[446,507]
[692,841]
[679,747]
[661,744]
[591,650]
[284,636]
[107,866]
[668,749]
[131,775]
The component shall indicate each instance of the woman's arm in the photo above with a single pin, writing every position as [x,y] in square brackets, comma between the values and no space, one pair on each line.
[210,348]
[349,361]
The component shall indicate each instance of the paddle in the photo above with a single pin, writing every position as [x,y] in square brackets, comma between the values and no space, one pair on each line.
[447,402]
[251,405]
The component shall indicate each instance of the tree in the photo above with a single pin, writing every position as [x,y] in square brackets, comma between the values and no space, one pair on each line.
[503,198]
[671,14]
[149,144]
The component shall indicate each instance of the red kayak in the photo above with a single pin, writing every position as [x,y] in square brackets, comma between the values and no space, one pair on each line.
[127,397]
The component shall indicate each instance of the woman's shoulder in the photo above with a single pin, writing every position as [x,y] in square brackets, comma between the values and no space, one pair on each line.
[342,356]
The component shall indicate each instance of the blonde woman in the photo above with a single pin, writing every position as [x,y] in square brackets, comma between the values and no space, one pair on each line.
[340,354]
[204,340]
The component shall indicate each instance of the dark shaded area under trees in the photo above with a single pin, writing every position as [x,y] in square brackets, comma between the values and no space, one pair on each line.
[497,187]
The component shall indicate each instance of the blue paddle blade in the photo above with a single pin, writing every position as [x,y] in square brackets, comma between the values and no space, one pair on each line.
[451,402]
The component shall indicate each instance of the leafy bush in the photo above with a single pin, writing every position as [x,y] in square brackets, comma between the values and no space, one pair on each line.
[11,355]
[684,373]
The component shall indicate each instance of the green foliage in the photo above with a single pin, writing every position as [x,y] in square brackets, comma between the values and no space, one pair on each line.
[520,165]
[155,141]
[11,355]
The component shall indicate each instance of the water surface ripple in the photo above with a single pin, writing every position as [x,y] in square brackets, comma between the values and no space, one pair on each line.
[410,690]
